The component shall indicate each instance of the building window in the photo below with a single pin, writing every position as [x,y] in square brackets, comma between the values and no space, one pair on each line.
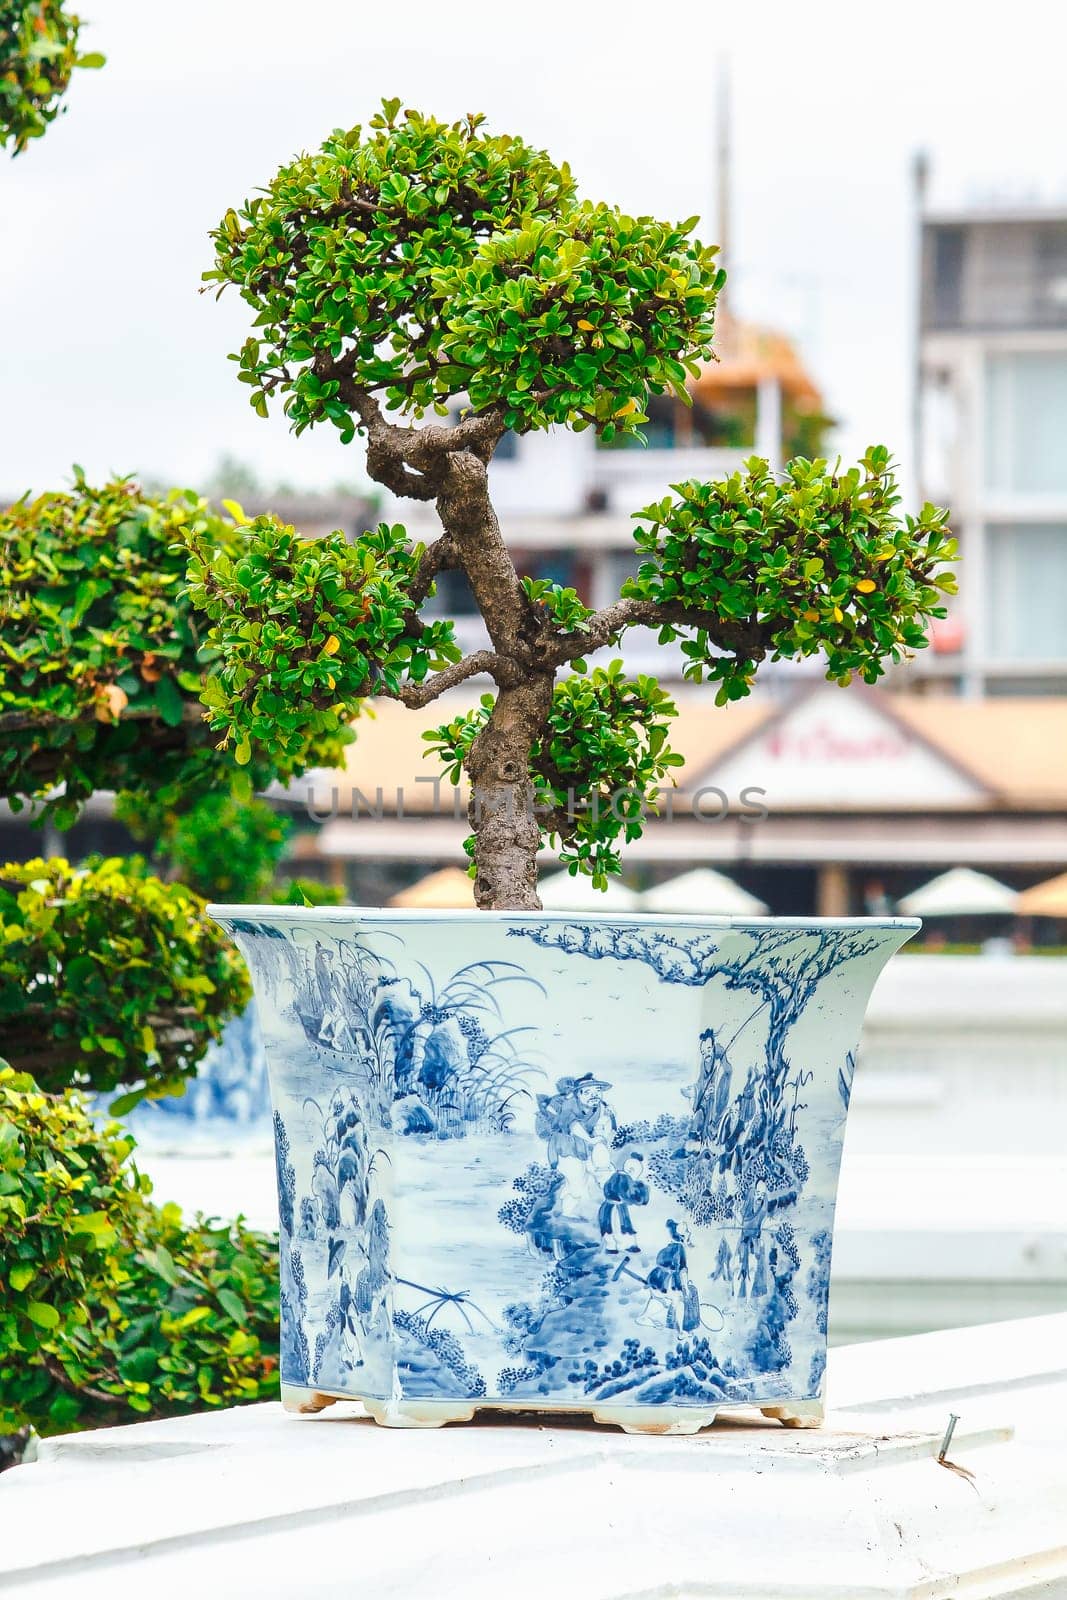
[1026,604]
[621,565]
[946,275]
[1002,274]
[1025,438]
[568,568]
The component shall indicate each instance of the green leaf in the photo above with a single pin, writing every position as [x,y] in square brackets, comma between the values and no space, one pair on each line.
[45,1316]
[124,1103]
[97,1223]
[170,702]
[19,1277]
[162,1262]
[231,1304]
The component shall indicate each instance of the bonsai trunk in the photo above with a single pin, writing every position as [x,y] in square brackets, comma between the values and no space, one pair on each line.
[501,810]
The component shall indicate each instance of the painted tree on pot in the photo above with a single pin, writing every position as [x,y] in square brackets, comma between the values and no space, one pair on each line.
[415,267]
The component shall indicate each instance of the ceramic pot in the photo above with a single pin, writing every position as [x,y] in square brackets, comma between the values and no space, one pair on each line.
[557,1162]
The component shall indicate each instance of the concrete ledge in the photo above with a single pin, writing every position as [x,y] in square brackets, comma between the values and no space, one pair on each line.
[249,1502]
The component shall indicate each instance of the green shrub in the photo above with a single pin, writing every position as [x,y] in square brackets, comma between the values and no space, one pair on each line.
[110,977]
[112,1308]
[223,848]
[103,658]
[307,892]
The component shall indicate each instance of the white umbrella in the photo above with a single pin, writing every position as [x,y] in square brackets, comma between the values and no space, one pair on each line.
[702,890]
[561,892]
[960,893]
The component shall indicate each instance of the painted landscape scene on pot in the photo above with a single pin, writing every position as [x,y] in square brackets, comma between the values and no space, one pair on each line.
[558,1160]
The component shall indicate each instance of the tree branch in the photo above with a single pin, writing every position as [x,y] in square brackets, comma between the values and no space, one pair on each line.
[414,696]
[84,1391]
[750,640]
[411,461]
[17,721]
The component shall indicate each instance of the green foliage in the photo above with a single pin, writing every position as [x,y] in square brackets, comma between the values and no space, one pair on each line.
[102,659]
[305,630]
[565,607]
[817,561]
[109,977]
[101,662]
[307,892]
[597,769]
[339,253]
[576,320]
[112,1309]
[428,260]
[38,53]
[65,1203]
[223,848]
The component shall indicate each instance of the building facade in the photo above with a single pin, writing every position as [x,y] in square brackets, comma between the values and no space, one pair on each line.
[991,418]
[814,801]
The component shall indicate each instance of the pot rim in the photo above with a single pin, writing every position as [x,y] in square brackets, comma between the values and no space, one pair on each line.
[224,912]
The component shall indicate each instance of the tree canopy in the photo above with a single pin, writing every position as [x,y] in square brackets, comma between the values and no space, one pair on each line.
[422,261]
[38,54]
[102,656]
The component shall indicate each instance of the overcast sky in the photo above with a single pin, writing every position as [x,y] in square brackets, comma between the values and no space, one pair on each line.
[112,359]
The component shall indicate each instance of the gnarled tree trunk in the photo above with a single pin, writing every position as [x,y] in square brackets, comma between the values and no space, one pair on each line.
[501,807]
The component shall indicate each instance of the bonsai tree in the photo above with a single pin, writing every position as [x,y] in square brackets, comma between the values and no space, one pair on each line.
[418,269]
[38,53]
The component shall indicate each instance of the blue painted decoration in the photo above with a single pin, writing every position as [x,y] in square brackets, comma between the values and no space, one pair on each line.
[226,1106]
[557,1160]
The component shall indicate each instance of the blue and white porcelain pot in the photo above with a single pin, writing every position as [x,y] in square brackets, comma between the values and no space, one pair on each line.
[539,1161]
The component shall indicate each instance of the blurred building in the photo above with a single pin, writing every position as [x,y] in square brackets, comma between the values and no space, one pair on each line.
[991,419]
[822,801]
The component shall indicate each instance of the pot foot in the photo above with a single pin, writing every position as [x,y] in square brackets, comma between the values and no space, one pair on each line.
[412,1414]
[305,1402]
[798,1414]
[630,1420]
